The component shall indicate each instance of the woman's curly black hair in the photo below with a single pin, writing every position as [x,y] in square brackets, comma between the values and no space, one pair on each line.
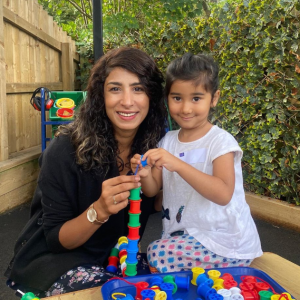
[92,133]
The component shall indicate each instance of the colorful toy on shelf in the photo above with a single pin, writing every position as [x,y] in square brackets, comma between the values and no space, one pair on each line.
[65,113]
[65,103]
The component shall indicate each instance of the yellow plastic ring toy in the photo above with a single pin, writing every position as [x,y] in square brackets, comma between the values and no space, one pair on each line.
[217,287]
[288,295]
[117,294]
[162,295]
[275,297]
[156,289]
[196,272]
[123,242]
[219,281]
[214,274]
[122,259]
[122,239]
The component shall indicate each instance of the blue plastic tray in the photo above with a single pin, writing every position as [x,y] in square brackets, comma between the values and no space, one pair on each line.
[120,286]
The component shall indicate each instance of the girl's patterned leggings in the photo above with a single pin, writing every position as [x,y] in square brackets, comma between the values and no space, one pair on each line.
[184,252]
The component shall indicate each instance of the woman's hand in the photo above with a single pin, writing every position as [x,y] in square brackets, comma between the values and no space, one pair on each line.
[162,158]
[114,196]
[142,171]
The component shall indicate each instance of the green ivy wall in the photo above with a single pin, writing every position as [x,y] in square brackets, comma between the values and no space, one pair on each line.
[256,45]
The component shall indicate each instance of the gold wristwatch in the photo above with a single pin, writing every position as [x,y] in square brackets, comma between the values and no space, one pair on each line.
[92,216]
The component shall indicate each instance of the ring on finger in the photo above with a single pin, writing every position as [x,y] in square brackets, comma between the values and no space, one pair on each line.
[115,202]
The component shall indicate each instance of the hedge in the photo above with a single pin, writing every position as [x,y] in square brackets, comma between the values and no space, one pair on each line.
[256,44]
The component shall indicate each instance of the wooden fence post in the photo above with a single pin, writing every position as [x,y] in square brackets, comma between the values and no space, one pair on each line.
[3,109]
[67,67]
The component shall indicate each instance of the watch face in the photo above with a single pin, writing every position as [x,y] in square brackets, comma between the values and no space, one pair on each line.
[91,214]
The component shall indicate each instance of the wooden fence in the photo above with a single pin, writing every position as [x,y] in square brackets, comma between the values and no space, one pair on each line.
[34,52]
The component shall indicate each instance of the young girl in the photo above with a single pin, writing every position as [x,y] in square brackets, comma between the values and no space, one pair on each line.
[206,220]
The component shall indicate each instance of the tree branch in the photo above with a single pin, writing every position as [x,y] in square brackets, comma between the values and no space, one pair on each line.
[80,9]
[205,8]
[84,17]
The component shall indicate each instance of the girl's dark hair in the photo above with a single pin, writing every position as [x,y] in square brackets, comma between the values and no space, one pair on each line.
[200,68]
[92,132]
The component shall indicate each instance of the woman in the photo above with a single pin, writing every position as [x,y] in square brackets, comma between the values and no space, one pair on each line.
[80,207]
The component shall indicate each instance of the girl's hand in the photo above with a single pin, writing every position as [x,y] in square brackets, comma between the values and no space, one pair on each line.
[162,158]
[142,171]
[114,196]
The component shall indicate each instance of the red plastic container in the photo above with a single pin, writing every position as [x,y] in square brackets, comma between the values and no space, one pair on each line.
[66,113]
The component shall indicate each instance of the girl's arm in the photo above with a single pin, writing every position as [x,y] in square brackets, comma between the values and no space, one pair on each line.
[158,201]
[217,188]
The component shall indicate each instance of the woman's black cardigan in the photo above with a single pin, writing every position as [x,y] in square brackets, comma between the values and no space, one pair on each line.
[64,191]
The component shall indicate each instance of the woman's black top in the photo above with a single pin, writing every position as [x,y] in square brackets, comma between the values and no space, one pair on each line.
[65,191]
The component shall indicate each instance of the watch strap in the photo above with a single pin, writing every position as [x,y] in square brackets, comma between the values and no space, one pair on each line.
[98,222]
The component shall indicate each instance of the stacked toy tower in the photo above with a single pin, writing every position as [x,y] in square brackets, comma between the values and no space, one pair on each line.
[118,253]
[113,260]
[133,232]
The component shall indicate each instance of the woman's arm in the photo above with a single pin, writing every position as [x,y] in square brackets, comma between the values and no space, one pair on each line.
[67,191]
[77,231]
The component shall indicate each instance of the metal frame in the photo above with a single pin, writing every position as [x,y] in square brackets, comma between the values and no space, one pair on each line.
[44,122]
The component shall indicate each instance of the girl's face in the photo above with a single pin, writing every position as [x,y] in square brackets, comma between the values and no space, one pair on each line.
[126,101]
[189,105]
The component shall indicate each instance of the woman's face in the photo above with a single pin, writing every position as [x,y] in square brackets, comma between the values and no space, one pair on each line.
[126,101]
